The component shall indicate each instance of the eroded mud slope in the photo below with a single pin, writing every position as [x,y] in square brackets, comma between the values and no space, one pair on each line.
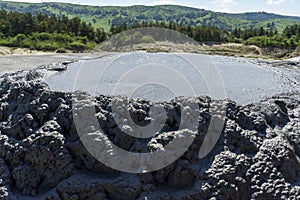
[41,156]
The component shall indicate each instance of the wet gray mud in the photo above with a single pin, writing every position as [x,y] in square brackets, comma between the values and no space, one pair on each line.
[10,64]
[41,156]
[244,80]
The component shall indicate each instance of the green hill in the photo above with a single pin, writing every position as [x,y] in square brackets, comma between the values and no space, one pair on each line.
[105,16]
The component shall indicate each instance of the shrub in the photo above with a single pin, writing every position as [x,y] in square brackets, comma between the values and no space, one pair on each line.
[274,41]
[46,47]
[83,40]
[43,36]
[61,50]
[77,47]
[17,41]
[62,38]
[20,37]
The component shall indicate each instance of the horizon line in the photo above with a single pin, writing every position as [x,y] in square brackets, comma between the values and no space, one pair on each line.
[131,5]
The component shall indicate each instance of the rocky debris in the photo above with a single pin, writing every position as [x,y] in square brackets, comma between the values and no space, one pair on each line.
[256,157]
[5,176]
[287,64]
[60,66]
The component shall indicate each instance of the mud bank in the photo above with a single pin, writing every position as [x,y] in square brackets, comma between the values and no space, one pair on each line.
[244,80]
[41,156]
[14,63]
[293,63]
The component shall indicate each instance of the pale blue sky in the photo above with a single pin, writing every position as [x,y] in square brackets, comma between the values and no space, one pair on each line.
[287,7]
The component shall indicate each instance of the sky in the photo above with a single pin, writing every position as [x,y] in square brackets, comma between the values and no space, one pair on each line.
[286,7]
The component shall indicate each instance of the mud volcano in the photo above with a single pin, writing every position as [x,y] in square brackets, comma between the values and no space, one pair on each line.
[41,157]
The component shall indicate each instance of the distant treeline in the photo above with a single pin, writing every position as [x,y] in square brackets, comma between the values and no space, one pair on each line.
[43,32]
[198,33]
[261,37]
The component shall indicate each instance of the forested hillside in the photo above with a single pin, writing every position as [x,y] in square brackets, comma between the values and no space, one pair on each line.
[106,16]
[50,33]
[290,38]
[61,27]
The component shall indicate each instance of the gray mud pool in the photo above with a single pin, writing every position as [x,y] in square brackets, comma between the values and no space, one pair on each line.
[163,76]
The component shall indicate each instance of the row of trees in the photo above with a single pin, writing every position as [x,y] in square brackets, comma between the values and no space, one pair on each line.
[14,23]
[45,32]
[198,33]
[292,31]
[248,33]
[261,37]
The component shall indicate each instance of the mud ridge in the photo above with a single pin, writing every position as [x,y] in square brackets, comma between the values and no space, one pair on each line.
[41,156]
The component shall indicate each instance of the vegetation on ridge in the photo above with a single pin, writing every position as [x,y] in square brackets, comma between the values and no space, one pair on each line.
[106,16]
[43,32]
[290,38]
[46,31]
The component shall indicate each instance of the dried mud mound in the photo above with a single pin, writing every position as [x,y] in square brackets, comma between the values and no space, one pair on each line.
[257,155]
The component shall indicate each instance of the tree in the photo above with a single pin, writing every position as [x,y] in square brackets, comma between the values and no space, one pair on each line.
[100,35]
[74,25]
[86,30]
[30,23]
[261,31]
[43,26]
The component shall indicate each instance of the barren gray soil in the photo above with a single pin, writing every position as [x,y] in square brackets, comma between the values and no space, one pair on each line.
[244,80]
[9,64]
[41,157]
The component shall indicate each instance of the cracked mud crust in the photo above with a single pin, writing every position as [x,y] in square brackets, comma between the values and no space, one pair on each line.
[41,157]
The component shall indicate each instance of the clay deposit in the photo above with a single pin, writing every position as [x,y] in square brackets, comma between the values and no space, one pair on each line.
[14,63]
[41,157]
[244,80]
